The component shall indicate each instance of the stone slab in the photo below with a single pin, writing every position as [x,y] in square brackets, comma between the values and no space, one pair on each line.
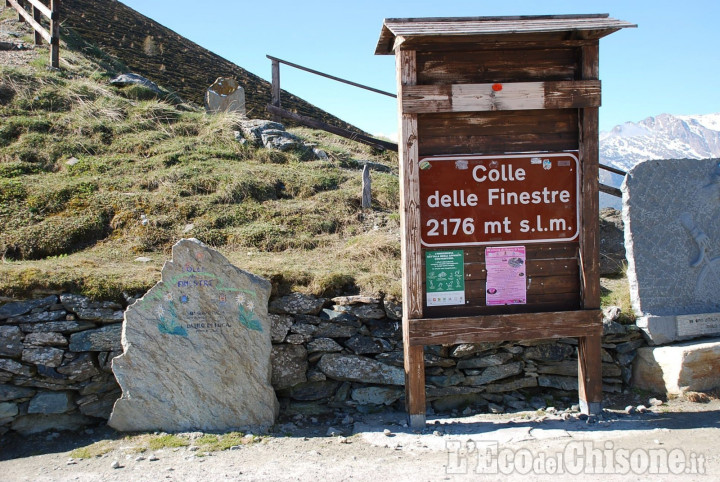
[677,368]
[225,95]
[660,330]
[196,349]
[672,237]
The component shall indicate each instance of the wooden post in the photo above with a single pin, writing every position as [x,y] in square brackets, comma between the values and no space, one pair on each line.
[589,347]
[36,16]
[55,33]
[410,243]
[366,188]
[275,88]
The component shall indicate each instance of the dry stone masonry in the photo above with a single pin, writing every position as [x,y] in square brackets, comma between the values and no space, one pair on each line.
[196,349]
[55,357]
[343,353]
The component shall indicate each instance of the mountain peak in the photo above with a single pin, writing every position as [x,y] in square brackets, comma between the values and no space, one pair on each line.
[665,136]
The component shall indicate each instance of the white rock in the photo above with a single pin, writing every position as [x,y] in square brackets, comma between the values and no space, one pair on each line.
[203,329]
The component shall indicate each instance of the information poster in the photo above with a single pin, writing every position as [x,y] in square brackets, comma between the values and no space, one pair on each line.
[506,276]
[445,277]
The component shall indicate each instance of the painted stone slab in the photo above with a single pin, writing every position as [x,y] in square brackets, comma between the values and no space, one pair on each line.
[671,211]
[196,349]
[225,95]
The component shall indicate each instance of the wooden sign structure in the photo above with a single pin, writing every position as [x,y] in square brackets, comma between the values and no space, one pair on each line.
[498,148]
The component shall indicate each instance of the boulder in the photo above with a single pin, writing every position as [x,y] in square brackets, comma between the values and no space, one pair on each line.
[124,80]
[17,308]
[354,368]
[289,365]
[495,373]
[106,338]
[11,344]
[10,392]
[196,349]
[678,368]
[47,356]
[30,424]
[377,395]
[326,345]
[297,304]
[51,402]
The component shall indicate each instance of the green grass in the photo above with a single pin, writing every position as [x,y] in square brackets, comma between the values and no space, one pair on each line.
[91,451]
[79,227]
[166,441]
[218,443]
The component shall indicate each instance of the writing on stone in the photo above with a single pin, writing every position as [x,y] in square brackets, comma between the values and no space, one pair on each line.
[696,325]
[179,312]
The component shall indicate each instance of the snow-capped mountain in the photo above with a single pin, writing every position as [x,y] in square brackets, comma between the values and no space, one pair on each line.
[665,136]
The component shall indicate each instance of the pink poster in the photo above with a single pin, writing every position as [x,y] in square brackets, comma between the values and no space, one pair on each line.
[506,276]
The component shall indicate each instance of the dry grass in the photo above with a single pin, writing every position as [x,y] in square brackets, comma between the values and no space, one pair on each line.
[150,171]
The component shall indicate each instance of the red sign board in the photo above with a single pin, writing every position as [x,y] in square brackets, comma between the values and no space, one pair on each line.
[491,200]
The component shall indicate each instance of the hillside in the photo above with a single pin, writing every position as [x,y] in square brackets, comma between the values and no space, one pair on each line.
[163,56]
[98,182]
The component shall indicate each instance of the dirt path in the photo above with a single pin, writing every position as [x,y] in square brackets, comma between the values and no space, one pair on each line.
[675,441]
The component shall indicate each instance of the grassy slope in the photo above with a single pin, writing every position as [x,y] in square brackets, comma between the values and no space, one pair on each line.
[80,227]
[169,59]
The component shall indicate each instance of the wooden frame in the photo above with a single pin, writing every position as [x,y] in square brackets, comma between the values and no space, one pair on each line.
[443,81]
[52,36]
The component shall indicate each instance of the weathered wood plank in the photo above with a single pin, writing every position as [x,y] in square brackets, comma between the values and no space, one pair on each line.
[528,326]
[588,154]
[467,43]
[548,121]
[422,99]
[42,8]
[567,250]
[534,268]
[36,13]
[486,66]
[475,289]
[411,251]
[498,144]
[410,248]
[29,19]
[55,33]
[589,350]
[536,304]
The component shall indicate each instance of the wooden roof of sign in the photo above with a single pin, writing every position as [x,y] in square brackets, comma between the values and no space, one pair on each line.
[399,31]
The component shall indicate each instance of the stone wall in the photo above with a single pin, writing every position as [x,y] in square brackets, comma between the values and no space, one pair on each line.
[55,355]
[343,353]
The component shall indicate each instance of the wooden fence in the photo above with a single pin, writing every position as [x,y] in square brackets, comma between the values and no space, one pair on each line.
[34,17]
[275,108]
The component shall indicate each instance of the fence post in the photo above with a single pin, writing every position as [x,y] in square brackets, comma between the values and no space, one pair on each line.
[275,88]
[54,33]
[20,17]
[36,16]
[366,188]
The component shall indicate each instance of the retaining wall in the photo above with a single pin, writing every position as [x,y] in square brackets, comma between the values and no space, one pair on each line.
[328,354]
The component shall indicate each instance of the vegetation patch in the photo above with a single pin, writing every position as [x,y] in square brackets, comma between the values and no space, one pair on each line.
[97,449]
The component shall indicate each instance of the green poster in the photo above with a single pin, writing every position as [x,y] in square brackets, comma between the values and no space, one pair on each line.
[445,277]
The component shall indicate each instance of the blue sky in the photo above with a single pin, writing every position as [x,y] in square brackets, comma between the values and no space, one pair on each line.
[670,64]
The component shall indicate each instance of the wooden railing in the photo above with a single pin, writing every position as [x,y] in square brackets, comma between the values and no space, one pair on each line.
[275,108]
[38,9]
